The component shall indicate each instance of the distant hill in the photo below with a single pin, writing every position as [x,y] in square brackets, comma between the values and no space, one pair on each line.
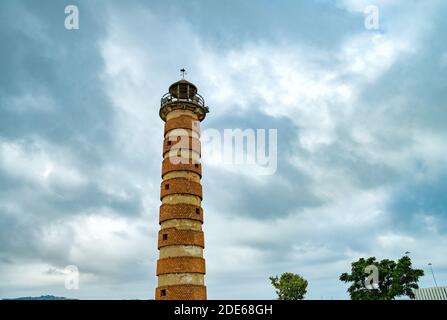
[48,297]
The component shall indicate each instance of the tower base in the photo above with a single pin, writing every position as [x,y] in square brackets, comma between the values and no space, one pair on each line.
[180,292]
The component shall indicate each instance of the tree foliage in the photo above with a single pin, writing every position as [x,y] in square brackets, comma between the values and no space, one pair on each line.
[395,279]
[289,286]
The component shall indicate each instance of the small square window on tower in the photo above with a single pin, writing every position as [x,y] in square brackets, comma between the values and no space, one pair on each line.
[197,210]
[167,186]
[165,236]
[163,292]
[169,142]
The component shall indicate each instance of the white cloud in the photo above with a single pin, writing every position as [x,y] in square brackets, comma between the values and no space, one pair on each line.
[360,5]
[101,242]
[319,91]
[40,163]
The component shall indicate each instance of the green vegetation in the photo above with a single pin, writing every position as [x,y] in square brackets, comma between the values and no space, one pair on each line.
[290,286]
[394,279]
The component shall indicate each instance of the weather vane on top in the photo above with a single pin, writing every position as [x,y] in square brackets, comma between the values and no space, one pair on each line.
[183,72]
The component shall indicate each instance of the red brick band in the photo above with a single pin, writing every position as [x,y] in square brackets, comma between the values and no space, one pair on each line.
[180,211]
[181,292]
[181,143]
[180,186]
[180,265]
[182,122]
[178,163]
[173,236]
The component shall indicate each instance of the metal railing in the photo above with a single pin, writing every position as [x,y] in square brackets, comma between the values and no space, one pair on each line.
[167,98]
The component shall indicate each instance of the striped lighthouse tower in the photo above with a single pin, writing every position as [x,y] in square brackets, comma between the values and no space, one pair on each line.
[181,266]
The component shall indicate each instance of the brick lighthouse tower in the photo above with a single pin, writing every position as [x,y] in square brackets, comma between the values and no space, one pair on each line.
[181,266]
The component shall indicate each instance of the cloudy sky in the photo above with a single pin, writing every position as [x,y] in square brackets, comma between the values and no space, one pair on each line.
[361,129]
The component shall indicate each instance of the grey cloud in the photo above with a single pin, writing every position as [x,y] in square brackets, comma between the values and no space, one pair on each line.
[61,64]
[66,70]
[288,189]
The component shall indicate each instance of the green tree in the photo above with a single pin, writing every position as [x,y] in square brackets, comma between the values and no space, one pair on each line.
[395,279]
[290,286]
